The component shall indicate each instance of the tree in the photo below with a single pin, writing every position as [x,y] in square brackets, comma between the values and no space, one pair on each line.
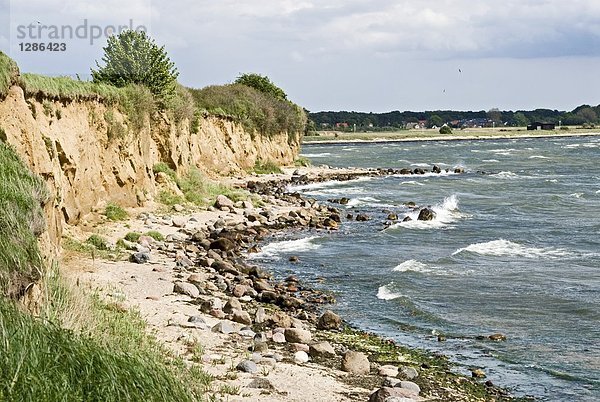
[588,115]
[132,57]
[261,83]
[436,121]
[495,115]
[520,120]
[445,130]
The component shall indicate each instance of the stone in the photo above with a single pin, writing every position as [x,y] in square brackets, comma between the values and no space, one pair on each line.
[247,332]
[247,366]
[299,347]
[217,313]
[261,383]
[478,373]
[178,208]
[391,382]
[301,357]
[223,202]
[392,217]
[140,258]
[196,279]
[280,319]
[436,169]
[260,316]
[362,218]
[497,337]
[223,327]
[356,363]
[179,221]
[409,373]
[239,290]
[222,244]
[388,371]
[225,268]
[231,305]
[278,337]
[187,289]
[241,317]
[395,394]
[411,386]
[426,214]
[329,320]
[297,335]
[321,350]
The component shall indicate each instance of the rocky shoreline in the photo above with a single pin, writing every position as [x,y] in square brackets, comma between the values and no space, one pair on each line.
[272,333]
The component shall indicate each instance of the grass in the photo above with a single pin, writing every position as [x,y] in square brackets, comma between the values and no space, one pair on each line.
[155,235]
[21,219]
[66,88]
[9,74]
[115,213]
[162,167]
[198,190]
[167,198]
[302,161]
[266,167]
[133,237]
[97,242]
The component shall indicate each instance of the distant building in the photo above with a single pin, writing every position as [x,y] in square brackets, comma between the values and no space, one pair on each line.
[412,126]
[341,125]
[541,126]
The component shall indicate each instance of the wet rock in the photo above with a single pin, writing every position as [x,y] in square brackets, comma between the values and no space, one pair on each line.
[140,258]
[321,350]
[344,201]
[268,297]
[297,335]
[222,244]
[497,337]
[301,357]
[247,366]
[426,214]
[329,321]
[436,169]
[478,373]
[223,327]
[407,219]
[294,258]
[405,171]
[187,289]
[330,223]
[356,363]
[261,285]
[362,218]
[392,217]
[459,170]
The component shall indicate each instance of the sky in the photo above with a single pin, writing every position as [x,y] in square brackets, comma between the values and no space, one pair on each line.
[377,55]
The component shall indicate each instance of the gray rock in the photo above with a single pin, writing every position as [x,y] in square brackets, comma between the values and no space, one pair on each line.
[409,373]
[187,289]
[411,386]
[241,317]
[140,258]
[223,201]
[356,363]
[232,305]
[297,335]
[247,366]
[391,382]
[301,357]
[179,221]
[196,319]
[261,315]
[261,383]
[321,350]
[224,327]
[329,320]
[278,337]
[178,208]
[395,394]
[426,214]
[388,371]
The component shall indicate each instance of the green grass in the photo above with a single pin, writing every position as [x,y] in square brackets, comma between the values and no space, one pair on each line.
[266,167]
[21,221]
[162,167]
[66,88]
[302,161]
[133,237]
[9,74]
[198,190]
[167,198]
[98,242]
[115,213]
[155,235]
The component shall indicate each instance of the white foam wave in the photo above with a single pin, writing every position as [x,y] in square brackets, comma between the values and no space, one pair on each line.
[321,155]
[363,201]
[538,157]
[412,266]
[416,183]
[445,213]
[336,191]
[287,246]
[426,165]
[385,293]
[491,160]
[505,248]
[325,184]
[506,175]
[576,195]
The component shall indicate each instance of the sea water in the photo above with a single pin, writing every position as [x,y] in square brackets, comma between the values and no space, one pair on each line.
[514,249]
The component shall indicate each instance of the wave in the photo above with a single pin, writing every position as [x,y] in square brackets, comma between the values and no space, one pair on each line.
[325,184]
[505,248]
[577,195]
[321,155]
[445,213]
[287,246]
[538,157]
[412,266]
[491,160]
[416,183]
[506,175]
[336,191]
[385,293]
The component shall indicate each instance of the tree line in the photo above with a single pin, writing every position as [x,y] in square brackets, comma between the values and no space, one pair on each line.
[582,115]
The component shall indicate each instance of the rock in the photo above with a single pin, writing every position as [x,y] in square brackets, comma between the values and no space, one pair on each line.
[196,279]
[395,394]
[344,201]
[247,332]
[362,217]
[297,335]
[294,258]
[260,316]
[179,221]
[301,357]
[278,337]
[239,290]
[187,289]
[217,313]
[436,169]
[261,383]
[356,363]
[224,327]
[280,319]
[321,350]
[222,244]
[247,366]
[497,337]
[299,347]
[178,208]
[411,386]
[231,305]
[140,258]
[392,217]
[391,382]
[223,202]
[478,373]
[241,317]
[196,319]
[330,223]
[329,320]
[261,285]
[426,214]
[459,170]
[409,373]
[388,371]
[224,268]
[407,219]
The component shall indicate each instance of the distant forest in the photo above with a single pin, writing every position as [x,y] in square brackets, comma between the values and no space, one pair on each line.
[583,115]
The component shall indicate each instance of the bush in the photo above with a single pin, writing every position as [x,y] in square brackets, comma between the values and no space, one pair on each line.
[445,130]
[21,221]
[266,167]
[155,235]
[302,161]
[261,83]
[133,236]
[162,167]
[98,242]
[115,212]
[198,190]
[9,74]
[132,57]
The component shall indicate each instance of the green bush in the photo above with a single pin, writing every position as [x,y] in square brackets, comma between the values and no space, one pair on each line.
[261,83]
[9,74]
[201,191]
[132,236]
[162,167]
[132,57]
[98,242]
[155,235]
[302,161]
[21,220]
[115,212]
[266,167]
[167,198]
[445,130]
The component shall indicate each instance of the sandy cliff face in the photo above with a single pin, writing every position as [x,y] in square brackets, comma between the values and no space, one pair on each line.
[73,146]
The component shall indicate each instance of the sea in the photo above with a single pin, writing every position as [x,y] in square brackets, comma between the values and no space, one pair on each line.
[514,249]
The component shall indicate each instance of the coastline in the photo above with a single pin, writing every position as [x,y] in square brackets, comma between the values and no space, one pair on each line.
[195,254]
[477,136]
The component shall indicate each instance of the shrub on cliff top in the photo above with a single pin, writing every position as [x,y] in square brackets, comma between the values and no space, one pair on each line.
[21,220]
[9,74]
[133,57]
[261,83]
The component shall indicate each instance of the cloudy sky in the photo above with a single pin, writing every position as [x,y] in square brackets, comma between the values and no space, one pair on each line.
[376,55]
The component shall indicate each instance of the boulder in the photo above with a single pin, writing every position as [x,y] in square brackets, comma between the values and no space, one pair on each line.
[232,305]
[241,317]
[222,244]
[411,386]
[247,366]
[301,357]
[362,217]
[140,258]
[426,214]
[321,350]
[187,289]
[223,202]
[223,327]
[329,320]
[409,373]
[356,363]
[388,371]
[297,335]
[387,394]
